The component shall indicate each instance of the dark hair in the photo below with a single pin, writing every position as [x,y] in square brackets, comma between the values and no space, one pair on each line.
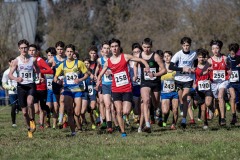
[33,46]
[60,44]
[147,41]
[136,45]
[77,54]
[93,48]
[70,46]
[233,47]
[87,59]
[11,59]
[168,52]
[202,52]
[23,41]
[159,52]
[113,40]
[52,50]
[104,42]
[216,42]
[186,40]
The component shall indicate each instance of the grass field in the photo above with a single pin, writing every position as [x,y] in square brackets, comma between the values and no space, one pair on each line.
[162,143]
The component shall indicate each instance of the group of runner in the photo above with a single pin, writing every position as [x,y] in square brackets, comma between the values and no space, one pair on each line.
[111,86]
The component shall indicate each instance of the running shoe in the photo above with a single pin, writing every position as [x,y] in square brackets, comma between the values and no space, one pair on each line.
[30,134]
[184,122]
[65,125]
[109,130]
[94,126]
[233,121]
[103,125]
[216,113]
[205,127]
[60,125]
[228,106]
[173,127]
[192,121]
[147,129]
[223,122]
[117,129]
[71,135]
[14,125]
[164,124]
[32,126]
[160,123]
[124,134]
[139,130]
[41,127]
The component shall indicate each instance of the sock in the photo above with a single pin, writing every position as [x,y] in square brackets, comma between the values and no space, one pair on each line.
[109,124]
[60,118]
[234,115]
[147,124]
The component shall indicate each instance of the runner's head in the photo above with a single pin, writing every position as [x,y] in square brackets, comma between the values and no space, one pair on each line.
[105,49]
[201,55]
[167,56]
[115,46]
[76,55]
[51,51]
[216,46]
[32,50]
[186,44]
[233,49]
[69,51]
[60,48]
[23,47]
[147,45]
[10,61]
[92,51]
[136,49]
[87,62]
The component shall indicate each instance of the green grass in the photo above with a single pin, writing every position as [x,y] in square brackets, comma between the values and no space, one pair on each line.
[193,143]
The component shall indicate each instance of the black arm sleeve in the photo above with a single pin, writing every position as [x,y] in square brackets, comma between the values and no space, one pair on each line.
[173,67]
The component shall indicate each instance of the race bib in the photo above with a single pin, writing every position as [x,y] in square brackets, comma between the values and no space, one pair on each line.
[138,80]
[26,75]
[121,79]
[49,84]
[204,85]
[168,86]
[37,80]
[219,75]
[146,76]
[90,90]
[234,76]
[107,78]
[70,77]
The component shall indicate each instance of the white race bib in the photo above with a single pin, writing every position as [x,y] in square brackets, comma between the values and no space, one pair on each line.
[26,75]
[49,84]
[219,75]
[90,90]
[234,76]
[121,79]
[168,86]
[146,76]
[204,85]
[70,77]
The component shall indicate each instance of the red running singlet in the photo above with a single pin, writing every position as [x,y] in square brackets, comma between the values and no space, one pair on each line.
[120,76]
[219,71]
